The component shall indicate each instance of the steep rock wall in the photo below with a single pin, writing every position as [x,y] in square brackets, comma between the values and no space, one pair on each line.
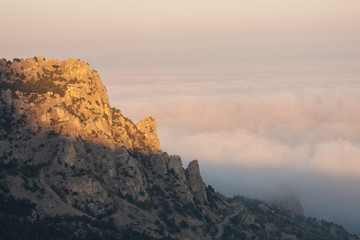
[68,99]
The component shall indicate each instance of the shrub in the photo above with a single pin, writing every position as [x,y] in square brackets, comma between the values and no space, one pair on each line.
[41,86]
[183,224]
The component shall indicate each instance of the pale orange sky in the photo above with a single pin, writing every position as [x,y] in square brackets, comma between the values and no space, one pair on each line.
[162,32]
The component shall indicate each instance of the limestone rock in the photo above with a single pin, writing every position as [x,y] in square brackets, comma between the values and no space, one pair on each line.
[68,151]
[68,99]
[158,163]
[196,182]
[175,163]
[148,127]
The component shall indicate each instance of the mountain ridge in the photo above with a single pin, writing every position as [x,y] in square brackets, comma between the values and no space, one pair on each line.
[75,163]
[88,159]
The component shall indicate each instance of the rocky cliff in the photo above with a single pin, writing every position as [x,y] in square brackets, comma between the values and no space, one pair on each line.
[73,167]
[67,150]
[68,99]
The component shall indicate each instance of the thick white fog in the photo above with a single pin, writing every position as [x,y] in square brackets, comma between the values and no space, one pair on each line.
[258,127]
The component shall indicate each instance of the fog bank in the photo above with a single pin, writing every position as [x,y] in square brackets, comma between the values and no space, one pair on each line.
[262,127]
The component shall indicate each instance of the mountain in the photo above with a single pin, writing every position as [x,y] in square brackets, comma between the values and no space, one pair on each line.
[73,167]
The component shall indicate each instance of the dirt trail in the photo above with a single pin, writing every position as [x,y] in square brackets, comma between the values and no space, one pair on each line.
[220,226]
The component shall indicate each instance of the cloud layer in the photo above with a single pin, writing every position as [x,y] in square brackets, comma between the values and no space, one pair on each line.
[255,128]
[303,122]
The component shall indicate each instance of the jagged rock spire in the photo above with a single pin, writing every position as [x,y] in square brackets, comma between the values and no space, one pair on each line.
[195,180]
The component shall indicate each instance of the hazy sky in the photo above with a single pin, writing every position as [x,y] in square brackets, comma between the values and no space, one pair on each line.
[264,93]
[168,32]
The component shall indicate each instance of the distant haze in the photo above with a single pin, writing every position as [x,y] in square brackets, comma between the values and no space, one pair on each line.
[263,93]
[258,128]
[162,32]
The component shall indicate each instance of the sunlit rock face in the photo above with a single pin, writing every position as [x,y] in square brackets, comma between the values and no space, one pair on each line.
[80,156]
[148,127]
[68,99]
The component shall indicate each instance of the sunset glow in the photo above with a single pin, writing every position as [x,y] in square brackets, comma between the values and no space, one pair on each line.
[266,89]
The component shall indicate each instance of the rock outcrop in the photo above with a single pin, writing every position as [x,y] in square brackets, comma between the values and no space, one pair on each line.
[62,138]
[68,99]
[195,180]
[148,127]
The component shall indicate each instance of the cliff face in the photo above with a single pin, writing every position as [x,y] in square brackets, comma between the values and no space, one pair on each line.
[195,180]
[68,99]
[67,150]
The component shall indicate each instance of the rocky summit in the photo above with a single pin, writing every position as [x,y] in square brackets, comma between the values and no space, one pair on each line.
[73,167]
